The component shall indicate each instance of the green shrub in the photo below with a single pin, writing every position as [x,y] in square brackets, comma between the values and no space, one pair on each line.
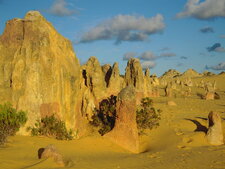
[50,126]
[10,121]
[147,116]
[104,117]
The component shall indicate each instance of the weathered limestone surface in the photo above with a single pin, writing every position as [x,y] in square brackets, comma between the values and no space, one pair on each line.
[39,68]
[215,132]
[116,82]
[134,75]
[125,132]
[94,78]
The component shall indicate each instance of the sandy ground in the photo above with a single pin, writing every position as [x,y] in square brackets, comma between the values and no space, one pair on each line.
[179,142]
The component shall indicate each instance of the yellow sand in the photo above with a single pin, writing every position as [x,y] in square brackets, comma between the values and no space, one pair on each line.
[179,142]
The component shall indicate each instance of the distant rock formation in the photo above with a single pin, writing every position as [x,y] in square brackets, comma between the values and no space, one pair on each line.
[125,132]
[171,73]
[190,73]
[215,132]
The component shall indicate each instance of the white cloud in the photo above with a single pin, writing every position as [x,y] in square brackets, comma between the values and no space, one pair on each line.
[207,9]
[147,56]
[220,66]
[220,49]
[125,28]
[59,8]
[129,55]
[148,64]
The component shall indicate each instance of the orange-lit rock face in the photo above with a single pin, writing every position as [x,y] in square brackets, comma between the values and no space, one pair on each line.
[38,67]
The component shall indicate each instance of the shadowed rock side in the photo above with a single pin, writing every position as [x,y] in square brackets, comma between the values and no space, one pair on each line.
[40,71]
[125,132]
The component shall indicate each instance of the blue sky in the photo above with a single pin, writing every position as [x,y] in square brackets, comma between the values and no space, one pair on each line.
[164,34]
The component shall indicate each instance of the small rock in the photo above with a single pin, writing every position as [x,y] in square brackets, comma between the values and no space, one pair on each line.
[51,152]
[171,103]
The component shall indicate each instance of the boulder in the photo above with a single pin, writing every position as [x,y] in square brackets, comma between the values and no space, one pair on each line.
[125,132]
[51,152]
[171,103]
[215,132]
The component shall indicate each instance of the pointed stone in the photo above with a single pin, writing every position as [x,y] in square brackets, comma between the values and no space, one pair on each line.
[125,132]
[215,132]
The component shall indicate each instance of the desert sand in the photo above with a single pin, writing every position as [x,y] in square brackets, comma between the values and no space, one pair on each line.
[178,143]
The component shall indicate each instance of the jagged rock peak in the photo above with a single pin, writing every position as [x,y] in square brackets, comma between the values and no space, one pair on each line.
[171,73]
[147,72]
[106,68]
[33,15]
[134,74]
[115,69]
[93,61]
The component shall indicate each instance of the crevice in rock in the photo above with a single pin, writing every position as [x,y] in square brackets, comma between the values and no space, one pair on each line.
[84,73]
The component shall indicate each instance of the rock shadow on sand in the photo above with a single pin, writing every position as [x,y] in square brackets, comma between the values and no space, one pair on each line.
[200,127]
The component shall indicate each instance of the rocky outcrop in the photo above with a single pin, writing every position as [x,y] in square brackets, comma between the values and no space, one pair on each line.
[40,71]
[125,132]
[215,132]
[147,82]
[116,82]
[171,73]
[94,78]
[107,71]
[41,74]
[134,75]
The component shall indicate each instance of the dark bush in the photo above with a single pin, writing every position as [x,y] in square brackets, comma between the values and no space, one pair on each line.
[50,126]
[10,121]
[105,116]
[147,116]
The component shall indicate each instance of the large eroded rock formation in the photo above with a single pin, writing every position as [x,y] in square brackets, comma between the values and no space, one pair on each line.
[39,70]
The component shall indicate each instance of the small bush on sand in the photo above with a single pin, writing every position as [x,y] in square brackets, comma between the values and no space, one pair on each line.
[10,121]
[147,116]
[104,117]
[51,126]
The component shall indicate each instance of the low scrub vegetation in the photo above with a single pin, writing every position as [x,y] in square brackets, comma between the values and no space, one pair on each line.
[105,116]
[51,126]
[10,121]
[147,116]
